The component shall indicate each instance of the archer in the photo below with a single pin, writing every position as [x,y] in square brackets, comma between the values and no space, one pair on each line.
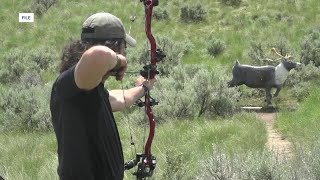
[89,146]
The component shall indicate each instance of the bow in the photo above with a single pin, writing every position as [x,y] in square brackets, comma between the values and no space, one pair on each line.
[146,161]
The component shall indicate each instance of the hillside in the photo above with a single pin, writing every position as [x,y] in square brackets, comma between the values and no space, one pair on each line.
[253,21]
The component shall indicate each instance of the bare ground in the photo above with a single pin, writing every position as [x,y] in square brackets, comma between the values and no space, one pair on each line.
[276,142]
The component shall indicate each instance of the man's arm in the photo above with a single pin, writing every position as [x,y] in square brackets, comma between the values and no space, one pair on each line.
[121,99]
[94,64]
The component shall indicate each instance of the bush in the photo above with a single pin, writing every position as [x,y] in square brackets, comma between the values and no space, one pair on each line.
[262,164]
[176,96]
[41,6]
[304,74]
[215,46]
[30,78]
[18,62]
[225,104]
[231,2]
[42,57]
[175,166]
[256,53]
[301,90]
[13,66]
[222,166]
[263,21]
[284,17]
[301,81]
[192,13]
[25,109]
[161,14]
[257,165]
[311,48]
[212,96]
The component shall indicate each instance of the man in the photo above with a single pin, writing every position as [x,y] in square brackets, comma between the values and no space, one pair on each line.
[82,109]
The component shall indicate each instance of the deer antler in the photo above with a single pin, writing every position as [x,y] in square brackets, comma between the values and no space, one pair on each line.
[287,56]
[275,51]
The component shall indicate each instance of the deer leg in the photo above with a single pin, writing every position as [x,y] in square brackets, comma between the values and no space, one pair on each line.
[277,92]
[268,96]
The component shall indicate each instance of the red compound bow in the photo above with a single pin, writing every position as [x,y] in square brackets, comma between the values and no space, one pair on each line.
[146,161]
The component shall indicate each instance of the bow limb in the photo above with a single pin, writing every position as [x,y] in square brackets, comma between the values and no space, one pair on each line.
[152,125]
[148,13]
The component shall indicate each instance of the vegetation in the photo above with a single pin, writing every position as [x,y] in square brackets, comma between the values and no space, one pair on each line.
[200,132]
[193,13]
[215,46]
[302,128]
[310,47]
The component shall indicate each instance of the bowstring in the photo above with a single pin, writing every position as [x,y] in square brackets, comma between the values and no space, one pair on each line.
[132,20]
[133,17]
[132,142]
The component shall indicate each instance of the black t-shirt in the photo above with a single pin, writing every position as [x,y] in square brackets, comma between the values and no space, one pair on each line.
[89,146]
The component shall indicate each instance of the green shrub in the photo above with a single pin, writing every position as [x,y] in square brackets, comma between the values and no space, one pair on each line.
[41,6]
[215,46]
[30,78]
[231,2]
[212,96]
[304,74]
[256,165]
[262,165]
[263,20]
[193,13]
[18,62]
[301,91]
[42,57]
[175,166]
[161,14]
[225,102]
[301,81]
[256,53]
[176,95]
[24,108]
[310,46]
[13,66]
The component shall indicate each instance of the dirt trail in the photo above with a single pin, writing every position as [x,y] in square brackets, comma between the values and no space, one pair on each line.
[278,144]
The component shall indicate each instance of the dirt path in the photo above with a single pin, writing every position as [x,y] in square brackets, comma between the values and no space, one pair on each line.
[278,144]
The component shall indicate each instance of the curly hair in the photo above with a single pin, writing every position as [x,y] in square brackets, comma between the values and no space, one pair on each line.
[73,51]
